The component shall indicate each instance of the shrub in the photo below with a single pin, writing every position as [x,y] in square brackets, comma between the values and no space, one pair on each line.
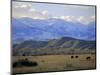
[24,63]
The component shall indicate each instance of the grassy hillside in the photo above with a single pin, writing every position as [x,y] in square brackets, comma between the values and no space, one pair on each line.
[63,45]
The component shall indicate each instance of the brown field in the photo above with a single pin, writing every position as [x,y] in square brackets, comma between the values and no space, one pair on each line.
[49,63]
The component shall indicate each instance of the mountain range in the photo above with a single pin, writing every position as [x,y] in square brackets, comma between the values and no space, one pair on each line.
[42,30]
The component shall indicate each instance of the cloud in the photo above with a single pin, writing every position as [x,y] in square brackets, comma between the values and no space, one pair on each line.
[25,9]
[81,19]
[86,19]
[21,5]
[32,9]
[45,12]
[22,9]
[93,17]
[66,18]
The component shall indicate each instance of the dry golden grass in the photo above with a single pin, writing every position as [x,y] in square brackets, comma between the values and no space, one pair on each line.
[56,63]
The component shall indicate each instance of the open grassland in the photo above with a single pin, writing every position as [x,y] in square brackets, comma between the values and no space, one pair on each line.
[48,63]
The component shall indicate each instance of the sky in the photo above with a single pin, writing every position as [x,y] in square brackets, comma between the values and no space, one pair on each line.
[73,13]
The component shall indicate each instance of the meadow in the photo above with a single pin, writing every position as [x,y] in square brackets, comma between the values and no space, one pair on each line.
[48,63]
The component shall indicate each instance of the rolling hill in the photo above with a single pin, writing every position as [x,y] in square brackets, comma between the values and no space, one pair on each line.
[65,45]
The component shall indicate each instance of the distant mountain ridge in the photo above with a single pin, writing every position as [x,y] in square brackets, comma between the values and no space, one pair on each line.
[29,29]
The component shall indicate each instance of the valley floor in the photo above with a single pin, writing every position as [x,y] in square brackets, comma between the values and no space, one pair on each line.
[48,63]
